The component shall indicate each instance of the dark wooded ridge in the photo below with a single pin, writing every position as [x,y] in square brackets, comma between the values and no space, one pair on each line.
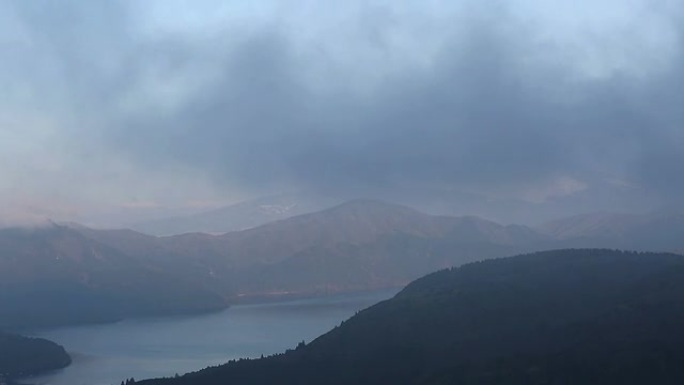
[558,317]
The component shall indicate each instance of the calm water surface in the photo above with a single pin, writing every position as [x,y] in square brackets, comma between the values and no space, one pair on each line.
[156,347]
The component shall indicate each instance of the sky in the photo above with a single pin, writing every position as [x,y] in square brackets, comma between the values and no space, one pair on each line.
[517,110]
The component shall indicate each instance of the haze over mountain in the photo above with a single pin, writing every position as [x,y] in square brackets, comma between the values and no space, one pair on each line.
[567,317]
[239,216]
[660,230]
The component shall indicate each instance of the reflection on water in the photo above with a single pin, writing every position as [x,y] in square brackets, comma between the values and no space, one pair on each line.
[156,347]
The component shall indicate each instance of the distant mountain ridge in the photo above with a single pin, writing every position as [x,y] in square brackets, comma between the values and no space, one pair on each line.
[660,230]
[355,222]
[347,247]
[356,245]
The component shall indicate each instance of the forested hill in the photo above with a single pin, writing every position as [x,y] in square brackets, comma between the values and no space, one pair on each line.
[20,356]
[559,317]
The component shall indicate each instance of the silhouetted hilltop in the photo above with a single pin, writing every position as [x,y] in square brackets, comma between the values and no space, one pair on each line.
[22,356]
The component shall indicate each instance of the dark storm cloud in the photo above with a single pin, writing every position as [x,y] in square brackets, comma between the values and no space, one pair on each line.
[475,116]
[498,107]
[482,116]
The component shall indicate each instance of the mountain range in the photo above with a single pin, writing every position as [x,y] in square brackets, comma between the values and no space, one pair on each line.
[68,273]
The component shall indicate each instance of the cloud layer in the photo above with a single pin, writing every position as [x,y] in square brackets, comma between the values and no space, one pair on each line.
[172,101]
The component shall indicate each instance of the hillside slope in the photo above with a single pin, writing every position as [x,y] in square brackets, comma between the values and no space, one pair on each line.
[55,275]
[559,317]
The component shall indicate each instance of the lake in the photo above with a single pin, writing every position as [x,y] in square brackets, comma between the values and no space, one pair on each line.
[161,347]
